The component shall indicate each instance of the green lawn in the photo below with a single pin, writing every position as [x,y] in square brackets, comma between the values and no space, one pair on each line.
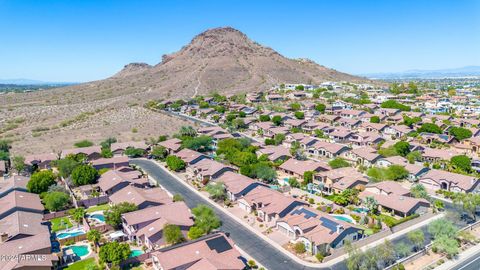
[98,208]
[84,264]
[60,223]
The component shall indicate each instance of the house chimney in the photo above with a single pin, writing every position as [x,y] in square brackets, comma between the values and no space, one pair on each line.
[4,237]
[339,229]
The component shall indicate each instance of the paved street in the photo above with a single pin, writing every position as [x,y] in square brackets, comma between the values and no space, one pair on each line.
[258,248]
[472,263]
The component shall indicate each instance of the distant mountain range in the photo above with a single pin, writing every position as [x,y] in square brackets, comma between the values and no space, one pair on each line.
[31,82]
[463,72]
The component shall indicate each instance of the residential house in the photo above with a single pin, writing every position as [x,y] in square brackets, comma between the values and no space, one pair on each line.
[13,183]
[269,204]
[275,152]
[365,156]
[172,145]
[237,185]
[211,252]
[327,149]
[142,197]
[20,201]
[115,180]
[110,163]
[145,226]
[443,180]
[366,139]
[119,148]
[207,169]
[190,157]
[297,168]
[337,180]
[393,198]
[91,153]
[319,232]
[40,161]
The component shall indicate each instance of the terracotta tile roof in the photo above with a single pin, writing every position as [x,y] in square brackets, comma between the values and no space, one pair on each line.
[300,166]
[112,178]
[176,213]
[215,252]
[84,150]
[188,155]
[138,196]
[36,244]
[24,223]
[465,182]
[20,199]
[122,146]
[403,204]
[173,144]
[30,159]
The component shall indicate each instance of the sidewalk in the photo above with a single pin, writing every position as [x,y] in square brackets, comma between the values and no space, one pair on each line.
[280,248]
[470,253]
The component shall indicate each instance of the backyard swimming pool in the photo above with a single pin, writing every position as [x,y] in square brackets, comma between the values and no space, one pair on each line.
[360,210]
[345,218]
[80,251]
[98,216]
[72,233]
[135,253]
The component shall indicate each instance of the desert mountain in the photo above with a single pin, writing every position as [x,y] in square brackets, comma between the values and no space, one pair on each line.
[220,59]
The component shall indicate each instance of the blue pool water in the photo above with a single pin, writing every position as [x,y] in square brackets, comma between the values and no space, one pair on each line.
[361,210]
[135,253]
[72,233]
[274,187]
[343,218]
[80,251]
[99,217]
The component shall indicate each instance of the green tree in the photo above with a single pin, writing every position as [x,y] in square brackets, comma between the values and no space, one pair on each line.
[402,148]
[84,175]
[442,227]
[106,153]
[320,107]
[460,133]
[308,177]
[114,214]
[55,201]
[414,156]
[114,252]
[277,120]
[299,115]
[175,163]
[299,247]
[295,106]
[396,172]
[66,166]
[419,191]
[94,236]
[4,155]
[446,245]
[375,119]
[177,198]
[201,143]
[18,163]
[265,172]
[173,234]
[216,191]
[371,204]
[264,118]
[205,218]
[77,214]
[40,181]
[417,238]
[429,128]
[462,162]
[134,152]
[108,142]
[187,131]
[159,152]
[83,143]
[195,232]
[338,163]
[392,104]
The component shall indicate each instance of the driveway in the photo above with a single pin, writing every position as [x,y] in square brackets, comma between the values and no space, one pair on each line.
[255,246]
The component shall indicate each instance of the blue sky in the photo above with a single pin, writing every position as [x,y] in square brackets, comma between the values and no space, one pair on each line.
[86,40]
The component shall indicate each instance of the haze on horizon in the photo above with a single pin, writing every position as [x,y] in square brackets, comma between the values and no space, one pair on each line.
[79,41]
